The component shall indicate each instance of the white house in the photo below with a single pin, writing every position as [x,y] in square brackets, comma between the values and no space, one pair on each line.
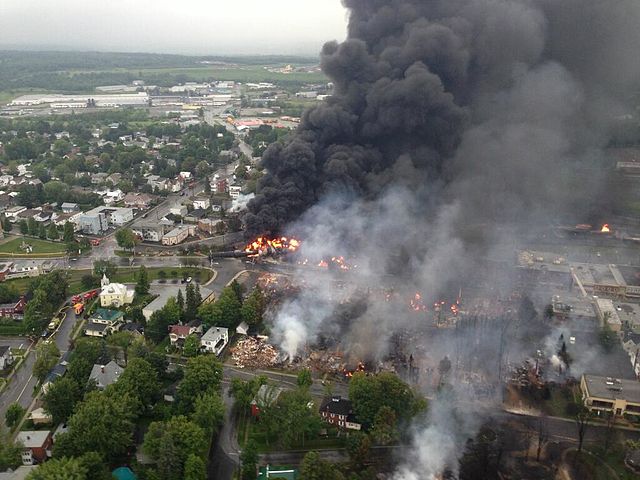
[6,359]
[115,294]
[215,340]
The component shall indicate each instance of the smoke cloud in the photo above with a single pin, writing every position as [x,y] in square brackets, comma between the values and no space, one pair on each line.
[455,128]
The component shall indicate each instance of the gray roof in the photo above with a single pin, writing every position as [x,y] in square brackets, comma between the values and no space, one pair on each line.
[214,334]
[4,349]
[105,375]
[19,473]
[612,388]
[32,438]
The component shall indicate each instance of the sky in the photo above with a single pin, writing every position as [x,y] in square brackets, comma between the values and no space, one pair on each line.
[197,27]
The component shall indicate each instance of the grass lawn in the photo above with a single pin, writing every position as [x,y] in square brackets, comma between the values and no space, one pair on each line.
[556,406]
[614,458]
[40,247]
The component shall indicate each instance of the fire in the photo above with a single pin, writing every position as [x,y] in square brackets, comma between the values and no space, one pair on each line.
[605,228]
[264,246]
[359,368]
[416,303]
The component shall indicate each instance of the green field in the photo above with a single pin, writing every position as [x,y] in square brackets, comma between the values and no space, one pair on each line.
[40,247]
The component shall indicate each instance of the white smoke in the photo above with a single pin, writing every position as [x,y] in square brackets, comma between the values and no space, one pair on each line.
[239,204]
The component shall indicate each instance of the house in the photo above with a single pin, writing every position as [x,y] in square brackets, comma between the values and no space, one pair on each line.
[40,417]
[105,375]
[157,182]
[113,196]
[136,329]
[12,213]
[14,310]
[6,358]
[30,268]
[37,446]
[98,178]
[115,294]
[140,201]
[219,185]
[114,178]
[235,191]
[178,235]
[201,202]
[215,340]
[178,210]
[5,270]
[56,372]
[242,329]
[68,207]
[195,215]
[608,394]
[279,473]
[267,396]
[339,412]
[103,322]
[177,334]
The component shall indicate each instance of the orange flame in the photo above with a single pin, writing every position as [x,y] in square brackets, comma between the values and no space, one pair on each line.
[262,245]
[605,228]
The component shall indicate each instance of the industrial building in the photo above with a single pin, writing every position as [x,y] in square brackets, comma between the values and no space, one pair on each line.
[81,100]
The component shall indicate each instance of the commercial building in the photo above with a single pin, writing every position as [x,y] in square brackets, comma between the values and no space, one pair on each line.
[81,100]
[607,394]
[178,235]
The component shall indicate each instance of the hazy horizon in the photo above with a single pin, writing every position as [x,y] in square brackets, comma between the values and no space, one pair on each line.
[195,27]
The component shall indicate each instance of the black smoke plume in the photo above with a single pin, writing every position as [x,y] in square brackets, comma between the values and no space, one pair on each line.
[500,104]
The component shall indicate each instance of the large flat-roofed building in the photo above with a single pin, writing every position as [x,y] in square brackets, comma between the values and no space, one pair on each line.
[99,219]
[70,101]
[607,394]
[178,235]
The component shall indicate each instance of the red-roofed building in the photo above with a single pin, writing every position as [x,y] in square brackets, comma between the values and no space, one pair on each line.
[177,333]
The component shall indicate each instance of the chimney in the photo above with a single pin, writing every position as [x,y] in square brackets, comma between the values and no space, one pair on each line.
[102,368]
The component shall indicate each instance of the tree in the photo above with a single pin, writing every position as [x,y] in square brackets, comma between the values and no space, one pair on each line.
[314,468]
[60,468]
[140,382]
[24,227]
[171,443]
[249,460]
[359,450]
[369,393]
[69,234]
[104,267]
[121,341]
[10,453]
[126,238]
[34,227]
[191,346]
[295,420]
[191,303]
[582,421]
[238,290]
[543,435]
[305,380]
[53,233]
[225,312]
[102,423]
[143,285]
[61,398]
[180,302]
[158,325]
[252,309]
[202,374]
[42,232]
[47,355]
[208,412]
[14,414]
[195,468]
[384,430]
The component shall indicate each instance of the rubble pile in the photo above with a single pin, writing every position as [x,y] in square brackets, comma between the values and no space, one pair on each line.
[254,353]
[326,361]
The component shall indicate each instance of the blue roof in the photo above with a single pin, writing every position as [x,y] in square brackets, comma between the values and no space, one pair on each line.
[124,473]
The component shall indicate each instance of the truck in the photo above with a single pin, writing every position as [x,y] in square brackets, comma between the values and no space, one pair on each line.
[91,294]
[78,308]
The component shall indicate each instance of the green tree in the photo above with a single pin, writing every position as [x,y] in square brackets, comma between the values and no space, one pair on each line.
[140,382]
[195,468]
[369,393]
[143,284]
[238,290]
[69,234]
[24,227]
[121,341]
[61,399]
[253,307]
[47,355]
[59,469]
[53,233]
[14,414]
[10,453]
[191,346]
[191,303]
[102,423]
[7,226]
[34,227]
[42,232]
[104,267]
[225,312]
[180,302]
[126,238]
[314,468]
[249,460]
[359,450]
[171,443]
[294,419]
[384,430]
[208,412]
[305,380]
[158,325]
[202,374]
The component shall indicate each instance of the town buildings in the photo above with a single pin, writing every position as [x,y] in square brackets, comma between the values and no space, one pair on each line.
[610,395]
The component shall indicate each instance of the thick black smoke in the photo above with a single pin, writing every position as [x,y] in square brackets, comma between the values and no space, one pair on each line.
[498,104]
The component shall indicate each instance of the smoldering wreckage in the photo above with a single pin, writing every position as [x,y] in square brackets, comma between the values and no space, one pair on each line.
[455,129]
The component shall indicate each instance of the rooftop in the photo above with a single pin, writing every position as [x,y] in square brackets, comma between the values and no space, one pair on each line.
[105,375]
[33,438]
[337,405]
[107,315]
[612,388]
